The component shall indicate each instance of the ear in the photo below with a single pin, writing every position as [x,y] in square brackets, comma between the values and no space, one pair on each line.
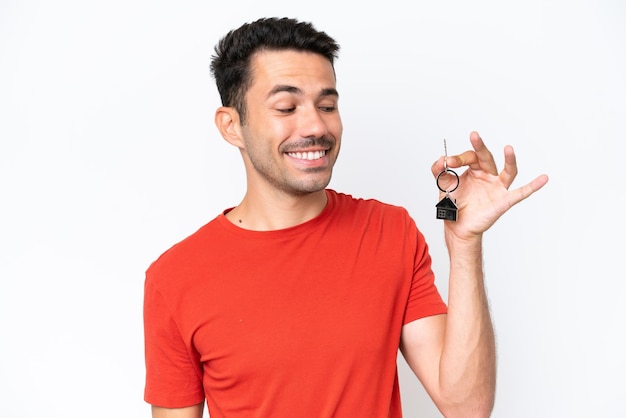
[227,122]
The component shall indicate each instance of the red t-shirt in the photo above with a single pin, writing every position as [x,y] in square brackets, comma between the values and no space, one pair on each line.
[299,322]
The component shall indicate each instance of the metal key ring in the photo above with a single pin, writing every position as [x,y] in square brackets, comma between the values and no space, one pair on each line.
[444,171]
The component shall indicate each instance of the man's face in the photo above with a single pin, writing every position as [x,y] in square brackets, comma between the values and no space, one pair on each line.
[293,129]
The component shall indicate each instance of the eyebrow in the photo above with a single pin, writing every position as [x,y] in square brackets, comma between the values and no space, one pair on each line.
[295,90]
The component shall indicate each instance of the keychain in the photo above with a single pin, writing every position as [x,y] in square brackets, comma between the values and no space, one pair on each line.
[446,208]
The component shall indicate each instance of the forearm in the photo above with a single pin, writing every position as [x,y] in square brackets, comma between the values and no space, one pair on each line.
[468,362]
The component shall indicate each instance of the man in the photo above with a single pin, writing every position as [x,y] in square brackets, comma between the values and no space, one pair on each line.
[295,302]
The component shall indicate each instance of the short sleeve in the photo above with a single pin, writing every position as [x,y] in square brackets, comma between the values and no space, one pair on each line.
[424,297]
[173,371]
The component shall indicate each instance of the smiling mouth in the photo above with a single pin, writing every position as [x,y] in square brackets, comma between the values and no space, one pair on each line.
[310,155]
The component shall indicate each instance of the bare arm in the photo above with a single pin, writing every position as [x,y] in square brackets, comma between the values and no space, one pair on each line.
[189,412]
[454,354]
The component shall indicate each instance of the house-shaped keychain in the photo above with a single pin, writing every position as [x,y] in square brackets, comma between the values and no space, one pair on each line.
[446,209]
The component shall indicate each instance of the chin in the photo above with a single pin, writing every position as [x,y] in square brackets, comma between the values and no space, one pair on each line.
[311,187]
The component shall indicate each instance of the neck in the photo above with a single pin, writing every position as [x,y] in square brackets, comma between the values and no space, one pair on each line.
[260,212]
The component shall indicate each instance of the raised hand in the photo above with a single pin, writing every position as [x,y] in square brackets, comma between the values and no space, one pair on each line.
[483,194]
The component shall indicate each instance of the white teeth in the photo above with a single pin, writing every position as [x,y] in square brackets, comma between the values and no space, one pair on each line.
[311,155]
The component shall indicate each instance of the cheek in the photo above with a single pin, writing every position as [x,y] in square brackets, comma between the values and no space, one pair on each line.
[271,127]
[335,127]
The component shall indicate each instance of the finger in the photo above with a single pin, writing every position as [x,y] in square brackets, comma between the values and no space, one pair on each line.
[510,167]
[485,157]
[437,166]
[479,159]
[468,158]
[528,189]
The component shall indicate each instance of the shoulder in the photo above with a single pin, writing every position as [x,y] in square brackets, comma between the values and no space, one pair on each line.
[186,252]
[370,214]
[359,205]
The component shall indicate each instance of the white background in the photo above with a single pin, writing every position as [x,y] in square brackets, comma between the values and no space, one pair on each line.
[109,155]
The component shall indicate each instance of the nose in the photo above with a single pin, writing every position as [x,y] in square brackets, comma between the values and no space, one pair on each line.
[312,123]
